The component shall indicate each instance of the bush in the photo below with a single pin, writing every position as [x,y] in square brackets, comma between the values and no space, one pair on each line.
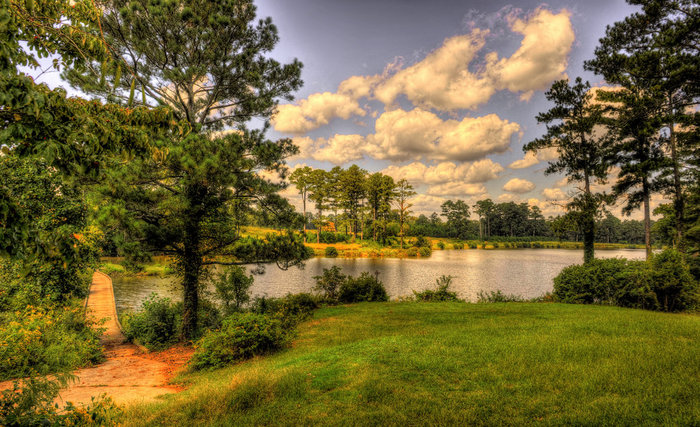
[329,282]
[44,340]
[366,287]
[156,326]
[290,309]
[242,336]
[233,289]
[459,245]
[662,283]
[425,252]
[412,252]
[31,403]
[497,296]
[441,293]
[421,242]
[441,245]
[331,252]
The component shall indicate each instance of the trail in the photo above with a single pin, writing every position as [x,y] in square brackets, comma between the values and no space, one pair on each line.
[128,374]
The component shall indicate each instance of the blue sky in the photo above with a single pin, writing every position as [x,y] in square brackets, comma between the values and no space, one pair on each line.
[443,93]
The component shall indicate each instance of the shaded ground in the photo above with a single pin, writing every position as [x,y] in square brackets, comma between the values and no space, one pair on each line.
[128,375]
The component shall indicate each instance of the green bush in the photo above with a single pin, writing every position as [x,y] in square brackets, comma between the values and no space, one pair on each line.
[662,283]
[331,252]
[290,309]
[458,245]
[366,287]
[441,245]
[441,293]
[329,282]
[242,336]
[412,252]
[421,242]
[156,326]
[496,296]
[43,340]
[425,252]
[30,402]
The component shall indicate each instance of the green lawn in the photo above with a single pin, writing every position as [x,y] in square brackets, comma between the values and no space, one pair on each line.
[458,363]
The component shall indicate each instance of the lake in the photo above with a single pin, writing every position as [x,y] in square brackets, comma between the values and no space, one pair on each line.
[524,272]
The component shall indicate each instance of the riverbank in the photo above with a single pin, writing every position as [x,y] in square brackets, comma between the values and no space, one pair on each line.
[456,363]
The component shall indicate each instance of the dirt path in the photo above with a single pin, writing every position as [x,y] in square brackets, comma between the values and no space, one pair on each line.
[128,375]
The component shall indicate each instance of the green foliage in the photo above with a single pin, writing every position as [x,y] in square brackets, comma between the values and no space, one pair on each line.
[330,282]
[425,251]
[156,326]
[441,245]
[331,252]
[662,283]
[421,242]
[233,289]
[366,287]
[242,336]
[30,402]
[496,296]
[458,245]
[441,292]
[412,251]
[290,309]
[44,340]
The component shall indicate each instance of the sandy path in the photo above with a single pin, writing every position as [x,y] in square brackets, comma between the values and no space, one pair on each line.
[128,375]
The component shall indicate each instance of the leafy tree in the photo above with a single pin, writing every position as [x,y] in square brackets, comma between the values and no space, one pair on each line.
[233,288]
[457,214]
[404,191]
[320,195]
[208,62]
[301,178]
[352,193]
[574,129]
[381,191]
[484,208]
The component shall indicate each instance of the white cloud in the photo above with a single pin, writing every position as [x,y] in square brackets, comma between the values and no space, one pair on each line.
[426,204]
[532,158]
[456,189]
[542,56]
[554,194]
[315,111]
[563,182]
[519,185]
[419,173]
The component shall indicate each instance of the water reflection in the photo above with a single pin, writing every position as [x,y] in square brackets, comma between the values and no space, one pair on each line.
[524,272]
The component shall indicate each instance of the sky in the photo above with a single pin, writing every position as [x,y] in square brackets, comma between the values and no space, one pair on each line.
[443,93]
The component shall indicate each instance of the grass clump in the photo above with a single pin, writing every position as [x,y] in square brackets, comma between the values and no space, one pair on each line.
[497,296]
[441,292]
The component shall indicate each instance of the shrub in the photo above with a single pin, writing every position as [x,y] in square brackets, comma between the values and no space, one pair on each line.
[329,282]
[425,251]
[290,309]
[156,326]
[233,289]
[441,245]
[412,252]
[331,252]
[30,402]
[497,296]
[242,336]
[458,245]
[441,293]
[662,283]
[421,242]
[366,287]
[472,246]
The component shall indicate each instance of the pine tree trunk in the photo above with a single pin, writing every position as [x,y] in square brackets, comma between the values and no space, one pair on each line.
[678,200]
[647,218]
[304,201]
[192,266]
[588,223]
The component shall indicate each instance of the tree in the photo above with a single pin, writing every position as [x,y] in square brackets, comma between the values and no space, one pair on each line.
[404,191]
[207,62]
[380,190]
[457,214]
[301,178]
[575,130]
[352,193]
[484,208]
[658,49]
[320,195]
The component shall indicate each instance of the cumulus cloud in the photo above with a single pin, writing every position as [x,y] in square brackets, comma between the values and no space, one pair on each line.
[554,194]
[404,135]
[519,185]
[316,110]
[532,158]
[426,204]
[419,173]
[456,189]
[542,56]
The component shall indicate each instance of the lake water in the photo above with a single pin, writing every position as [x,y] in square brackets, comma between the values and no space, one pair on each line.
[524,272]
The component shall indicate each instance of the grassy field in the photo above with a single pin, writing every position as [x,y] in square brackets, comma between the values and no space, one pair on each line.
[457,363]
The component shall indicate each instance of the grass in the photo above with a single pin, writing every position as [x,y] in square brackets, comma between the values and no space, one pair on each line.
[160,266]
[457,363]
